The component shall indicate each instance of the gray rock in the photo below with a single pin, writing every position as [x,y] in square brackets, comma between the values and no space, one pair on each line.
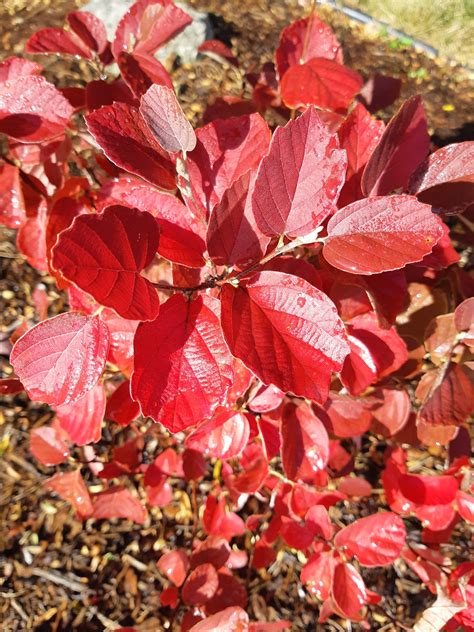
[185,45]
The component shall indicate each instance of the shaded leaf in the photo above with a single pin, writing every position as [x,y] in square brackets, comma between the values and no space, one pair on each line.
[117,502]
[82,420]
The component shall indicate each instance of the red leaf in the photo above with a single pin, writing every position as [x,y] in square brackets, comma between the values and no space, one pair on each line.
[128,143]
[141,72]
[104,255]
[57,41]
[165,118]
[174,565]
[89,29]
[147,25]
[70,487]
[201,585]
[32,109]
[120,406]
[306,39]
[117,502]
[267,398]
[446,178]
[224,436]
[450,399]
[181,234]
[321,82]
[376,540]
[14,67]
[31,239]
[10,386]
[12,206]
[355,486]
[216,48]
[404,144]
[225,150]
[358,135]
[230,592]
[231,619]
[255,470]
[182,366]
[99,93]
[428,490]
[122,333]
[392,411]
[82,420]
[348,416]
[218,521]
[305,442]
[318,573]
[379,92]
[298,182]
[464,320]
[47,445]
[60,360]
[381,233]
[286,331]
[318,521]
[348,590]
[233,238]
[214,550]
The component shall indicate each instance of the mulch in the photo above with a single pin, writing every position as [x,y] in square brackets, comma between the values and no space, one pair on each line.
[59,574]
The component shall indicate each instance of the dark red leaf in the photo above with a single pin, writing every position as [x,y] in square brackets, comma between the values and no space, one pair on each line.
[380,91]
[182,366]
[120,406]
[82,419]
[216,48]
[404,144]
[320,82]
[201,585]
[104,255]
[376,540]
[381,233]
[230,592]
[450,396]
[141,72]
[10,386]
[255,470]
[305,442]
[99,93]
[306,39]
[61,359]
[391,413]
[233,238]
[299,181]
[128,143]
[70,487]
[286,331]
[32,109]
[48,446]
[164,116]
[214,550]
[428,490]
[118,502]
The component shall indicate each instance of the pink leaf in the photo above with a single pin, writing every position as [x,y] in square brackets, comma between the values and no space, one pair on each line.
[47,445]
[286,331]
[70,487]
[104,255]
[118,502]
[224,436]
[165,118]
[32,109]
[321,82]
[57,41]
[232,619]
[82,420]
[182,366]
[299,181]
[381,233]
[376,540]
[404,144]
[306,39]
[174,565]
[127,142]
[61,359]
[14,67]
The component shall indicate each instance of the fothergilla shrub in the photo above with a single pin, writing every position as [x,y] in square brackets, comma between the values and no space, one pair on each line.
[276,300]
